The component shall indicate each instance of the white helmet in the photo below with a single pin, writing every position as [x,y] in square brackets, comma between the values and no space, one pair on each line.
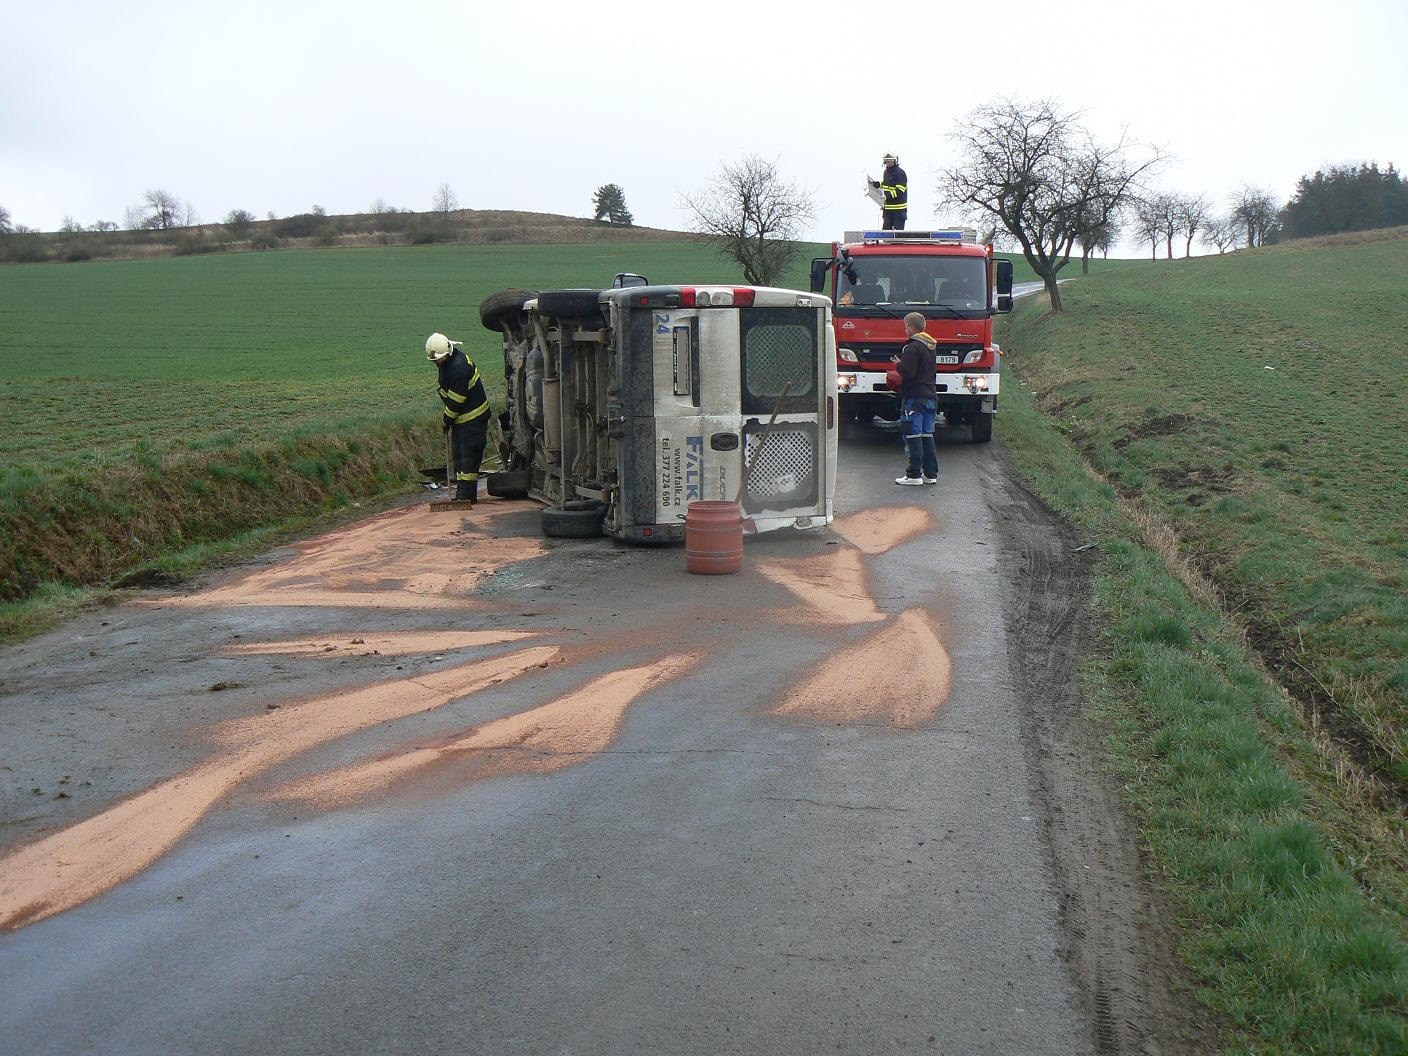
[438,346]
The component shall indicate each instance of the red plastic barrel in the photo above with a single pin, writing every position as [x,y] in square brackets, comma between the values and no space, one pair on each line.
[713,537]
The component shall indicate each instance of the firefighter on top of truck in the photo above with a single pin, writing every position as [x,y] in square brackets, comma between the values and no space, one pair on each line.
[894,185]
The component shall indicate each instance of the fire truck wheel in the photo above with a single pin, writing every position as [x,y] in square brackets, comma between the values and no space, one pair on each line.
[496,308]
[982,427]
[573,305]
[510,484]
[579,520]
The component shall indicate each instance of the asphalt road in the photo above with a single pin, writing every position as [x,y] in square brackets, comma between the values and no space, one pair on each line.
[786,811]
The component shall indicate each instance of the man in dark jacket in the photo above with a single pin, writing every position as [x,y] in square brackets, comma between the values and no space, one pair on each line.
[894,185]
[466,411]
[918,402]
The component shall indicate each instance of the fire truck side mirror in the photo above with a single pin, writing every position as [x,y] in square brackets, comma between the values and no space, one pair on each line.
[1004,303]
[1004,278]
[820,266]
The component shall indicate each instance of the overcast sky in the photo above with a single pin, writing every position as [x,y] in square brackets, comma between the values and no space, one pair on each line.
[532,105]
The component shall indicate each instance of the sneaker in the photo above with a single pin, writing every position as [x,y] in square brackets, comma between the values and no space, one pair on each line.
[911,481]
[931,480]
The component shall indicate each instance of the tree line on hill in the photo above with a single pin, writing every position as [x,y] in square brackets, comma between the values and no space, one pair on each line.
[1037,176]
[162,222]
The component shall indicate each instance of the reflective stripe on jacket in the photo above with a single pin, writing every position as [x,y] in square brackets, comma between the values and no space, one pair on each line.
[460,390]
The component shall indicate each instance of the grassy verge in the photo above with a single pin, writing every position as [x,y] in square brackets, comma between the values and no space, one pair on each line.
[1255,403]
[1292,893]
[83,526]
[52,603]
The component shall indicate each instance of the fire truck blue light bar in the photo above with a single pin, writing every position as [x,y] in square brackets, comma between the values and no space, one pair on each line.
[930,236]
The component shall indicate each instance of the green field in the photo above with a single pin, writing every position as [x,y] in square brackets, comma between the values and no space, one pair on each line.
[1256,403]
[100,359]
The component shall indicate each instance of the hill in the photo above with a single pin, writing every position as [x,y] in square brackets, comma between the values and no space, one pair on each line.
[315,230]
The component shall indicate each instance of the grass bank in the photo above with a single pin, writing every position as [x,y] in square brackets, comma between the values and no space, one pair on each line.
[1290,881]
[82,525]
[1255,403]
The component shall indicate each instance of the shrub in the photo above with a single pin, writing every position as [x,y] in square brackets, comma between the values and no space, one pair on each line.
[304,225]
[81,249]
[193,245]
[426,230]
[23,248]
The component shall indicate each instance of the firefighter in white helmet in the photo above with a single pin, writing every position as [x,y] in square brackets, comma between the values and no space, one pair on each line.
[466,411]
[894,185]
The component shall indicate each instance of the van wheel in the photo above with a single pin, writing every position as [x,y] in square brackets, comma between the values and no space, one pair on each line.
[496,308]
[575,305]
[510,484]
[982,427]
[577,520]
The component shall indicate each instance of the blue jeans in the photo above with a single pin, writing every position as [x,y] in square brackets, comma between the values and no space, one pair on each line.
[917,418]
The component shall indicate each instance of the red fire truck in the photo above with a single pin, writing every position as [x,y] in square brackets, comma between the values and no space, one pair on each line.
[875,278]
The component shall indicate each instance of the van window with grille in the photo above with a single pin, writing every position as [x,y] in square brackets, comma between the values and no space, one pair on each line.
[779,346]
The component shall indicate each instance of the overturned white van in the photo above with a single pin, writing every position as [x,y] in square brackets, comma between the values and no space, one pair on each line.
[626,404]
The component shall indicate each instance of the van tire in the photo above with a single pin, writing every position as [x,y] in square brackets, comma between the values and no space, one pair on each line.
[496,308]
[572,305]
[579,520]
[982,427]
[510,483]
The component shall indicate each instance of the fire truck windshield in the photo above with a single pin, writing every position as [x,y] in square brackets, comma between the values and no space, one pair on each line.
[948,282]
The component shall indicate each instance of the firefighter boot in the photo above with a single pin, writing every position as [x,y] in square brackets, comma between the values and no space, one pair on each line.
[466,491]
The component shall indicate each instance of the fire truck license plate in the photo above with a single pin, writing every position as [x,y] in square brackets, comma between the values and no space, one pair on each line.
[945,359]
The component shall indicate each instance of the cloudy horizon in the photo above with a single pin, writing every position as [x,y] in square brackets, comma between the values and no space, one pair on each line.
[277,108]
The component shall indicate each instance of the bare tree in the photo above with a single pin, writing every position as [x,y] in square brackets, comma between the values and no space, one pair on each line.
[1146,221]
[1221,232]
[189,216]
[102,226]
[70,226]
[1193,212]
[1166,206]
[1255,210]
[444,199]
[7,225]
[1032,167]
[163,209]
[1100,237]
[753,216]
[380,208]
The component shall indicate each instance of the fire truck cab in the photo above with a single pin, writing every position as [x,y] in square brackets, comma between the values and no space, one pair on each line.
[875,278]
